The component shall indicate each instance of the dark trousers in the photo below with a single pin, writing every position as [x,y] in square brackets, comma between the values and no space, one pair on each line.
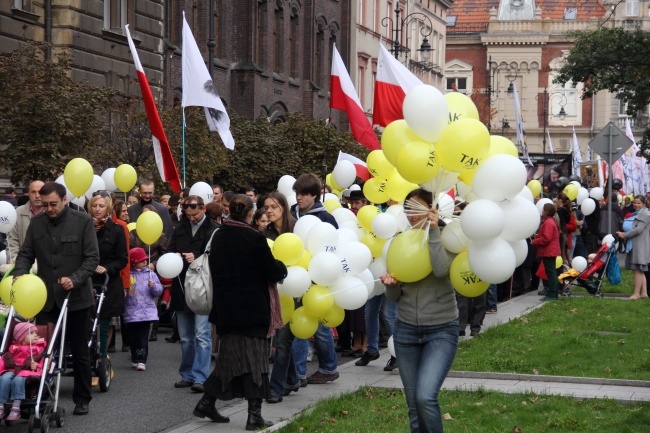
[139,333]
[78,334]
[345,335]
[471,311]
[551,273]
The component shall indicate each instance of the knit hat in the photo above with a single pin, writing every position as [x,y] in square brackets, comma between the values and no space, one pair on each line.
[22,330]
[137,255]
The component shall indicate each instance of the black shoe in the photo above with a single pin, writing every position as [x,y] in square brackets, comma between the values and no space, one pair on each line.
[542,292]
[255,420]
[304,382]
[172,339]
[340,349]
[391,364]
[288,391]
[461,333]
[366,358]
[474,333]
[205,409]
[80,409]
[197,387]
[274,399]
[356,353]
[183,384]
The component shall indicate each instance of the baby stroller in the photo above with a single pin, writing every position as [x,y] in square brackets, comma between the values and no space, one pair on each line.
[592,277]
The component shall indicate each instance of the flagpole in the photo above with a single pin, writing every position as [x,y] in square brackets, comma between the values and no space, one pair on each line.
[327,145]
[183,144]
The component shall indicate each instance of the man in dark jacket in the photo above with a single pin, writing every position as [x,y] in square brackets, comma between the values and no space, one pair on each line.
[64,243]
[146,189]
[190,237]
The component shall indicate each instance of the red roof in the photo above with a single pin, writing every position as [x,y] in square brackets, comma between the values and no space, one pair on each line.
[473,15]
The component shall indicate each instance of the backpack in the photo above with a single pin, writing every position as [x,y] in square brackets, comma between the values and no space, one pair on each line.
[198,283]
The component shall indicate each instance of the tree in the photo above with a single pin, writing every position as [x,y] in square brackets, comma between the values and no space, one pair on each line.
[45,118]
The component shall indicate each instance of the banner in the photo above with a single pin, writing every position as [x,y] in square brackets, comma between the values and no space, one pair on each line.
[547,168]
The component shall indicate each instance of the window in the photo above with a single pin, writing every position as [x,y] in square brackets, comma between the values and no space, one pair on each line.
[376,15]
[170,7]
[25,5]
[361,79]
[570,13]
[260,34]
[457,84]
[318,56]
[631,8]
[294,36]
[278,38]
[451,20]
[115,15]
[567,98]
[361,19]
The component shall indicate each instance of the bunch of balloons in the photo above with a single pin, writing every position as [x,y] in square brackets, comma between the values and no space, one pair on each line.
[81,182]
[27,295]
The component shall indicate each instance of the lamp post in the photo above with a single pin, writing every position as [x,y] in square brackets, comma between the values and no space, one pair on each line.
[561,114]
[491,71]
[504,125]
[398,27]
[211,44]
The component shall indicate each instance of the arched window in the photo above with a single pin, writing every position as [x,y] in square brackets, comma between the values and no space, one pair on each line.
[319,52]
[278,37]
[294,39]
[261,33]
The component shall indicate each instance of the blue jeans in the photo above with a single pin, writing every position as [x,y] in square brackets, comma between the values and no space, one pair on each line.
[425,356]
[196,346]
[373,307]
[300,349]
[11,385]
[492,296]
[324,346]
[284,373]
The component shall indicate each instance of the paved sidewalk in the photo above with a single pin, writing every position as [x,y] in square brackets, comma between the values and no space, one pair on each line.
[353,377]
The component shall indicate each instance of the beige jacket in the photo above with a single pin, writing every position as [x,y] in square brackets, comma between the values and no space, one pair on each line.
[16,236]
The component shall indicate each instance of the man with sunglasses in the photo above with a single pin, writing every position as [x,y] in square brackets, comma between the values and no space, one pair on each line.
[189,240]
[64,243]
[146,189]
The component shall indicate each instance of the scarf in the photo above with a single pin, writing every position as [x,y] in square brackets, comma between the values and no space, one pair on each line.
[276,312]
[100,222]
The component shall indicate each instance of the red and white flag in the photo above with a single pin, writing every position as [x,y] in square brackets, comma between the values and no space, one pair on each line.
[359,165]
[345,98]
[161,149]
[394,80]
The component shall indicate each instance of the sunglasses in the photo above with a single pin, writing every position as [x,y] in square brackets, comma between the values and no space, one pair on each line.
[102,193]
[192,205]
[52,205]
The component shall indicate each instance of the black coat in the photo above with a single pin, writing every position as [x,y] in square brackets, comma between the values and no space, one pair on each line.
[136,210]
[242,267]
[182,241]
[113,256]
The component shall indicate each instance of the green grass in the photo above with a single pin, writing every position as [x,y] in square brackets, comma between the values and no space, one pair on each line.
[580,336]
[625,286]
[377,410]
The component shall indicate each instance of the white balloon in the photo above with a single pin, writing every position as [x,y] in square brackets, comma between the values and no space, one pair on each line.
[541,202]
[492,261]
[499,177]
[330,196]
[8,217]
[354,257]
[583,194]
[203,190]
[597,193]
[304,225]
[97,185]
[453,238]
[378,268]
[608,240]
[527,194]
[482,219]
[391,346]
[342,215]
[354,226]
[291,199]
[368,279]
[68,193]
[588,206]
[109,180]
[325,268]
[347,235]
[521,219]
[384,226]
[344,173]
[3,257]
[169,265]
[80,201]
[446,205]
[355,187]
[296,283]
[520,248]
[576,183]
[579,263]
[426,111]
[349,292]
[442,182]
[322,238]
[285,184]
[397,210]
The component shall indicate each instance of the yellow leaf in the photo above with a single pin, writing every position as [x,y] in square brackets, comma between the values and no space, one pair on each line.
[447,417]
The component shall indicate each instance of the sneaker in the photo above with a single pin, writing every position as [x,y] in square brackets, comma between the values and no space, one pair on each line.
[366,358]
[14,414]
[391,364]
[319,378]
[491,311]
[2,411]
[140,366]
[134,364]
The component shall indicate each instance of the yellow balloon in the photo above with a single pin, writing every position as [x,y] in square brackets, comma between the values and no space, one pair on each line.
[460,107]
[535,187]
[463,278]
[329,180]
[303,325]
[149,227]
[558,262]
[463,145]
[378,165]
[337,192]
[318,300]
[331,204]
[408,256]
[287,307]
[288,248]
[125,177]
[467,176]
[375,190]
[365,216]
[270,243]
[334,317]
[304,260]
[78,176]
[375,244]
[501,146]
[130,226]
[5,289]
[417,162]
[28,295]
[398,187]
[395,135]
[571,191]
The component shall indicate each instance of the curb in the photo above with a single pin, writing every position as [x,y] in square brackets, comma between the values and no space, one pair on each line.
[546,378]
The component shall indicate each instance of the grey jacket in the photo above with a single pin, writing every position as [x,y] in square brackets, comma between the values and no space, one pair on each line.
[430,301]
[16,236]
[640,235]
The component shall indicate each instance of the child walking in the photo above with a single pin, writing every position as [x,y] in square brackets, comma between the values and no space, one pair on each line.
[140,306]
[23,359]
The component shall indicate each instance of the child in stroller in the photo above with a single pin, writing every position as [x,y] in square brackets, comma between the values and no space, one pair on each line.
[23,359]
[592,277]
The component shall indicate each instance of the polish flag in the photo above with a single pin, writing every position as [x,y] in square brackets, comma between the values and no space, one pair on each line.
[394,81]
[359,165]
[344,97]
[161,149]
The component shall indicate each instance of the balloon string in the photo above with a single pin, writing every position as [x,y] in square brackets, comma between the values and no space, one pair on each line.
[347,288]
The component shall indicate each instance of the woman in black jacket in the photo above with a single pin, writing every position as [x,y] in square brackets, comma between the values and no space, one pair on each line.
[113,256]
[246,311]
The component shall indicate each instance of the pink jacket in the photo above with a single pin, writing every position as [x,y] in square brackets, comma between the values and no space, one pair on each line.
[18,358]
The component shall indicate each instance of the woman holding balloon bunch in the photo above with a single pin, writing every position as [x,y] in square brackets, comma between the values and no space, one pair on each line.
[426,331]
